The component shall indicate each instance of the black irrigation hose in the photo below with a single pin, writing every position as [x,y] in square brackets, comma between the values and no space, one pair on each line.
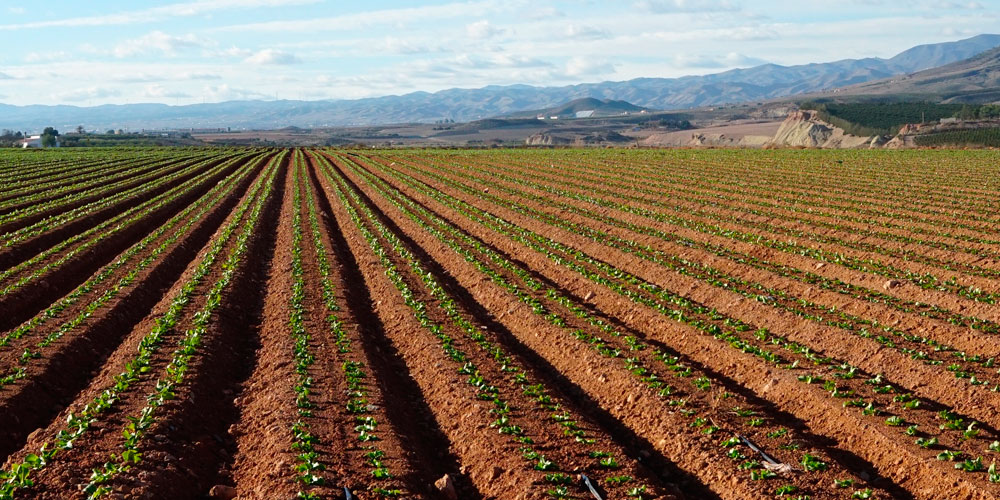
[590,486]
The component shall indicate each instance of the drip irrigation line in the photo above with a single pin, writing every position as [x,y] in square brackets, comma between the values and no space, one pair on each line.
[754,447]
[590,486]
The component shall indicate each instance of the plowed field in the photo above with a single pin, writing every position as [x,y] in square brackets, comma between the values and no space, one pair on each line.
[312,323]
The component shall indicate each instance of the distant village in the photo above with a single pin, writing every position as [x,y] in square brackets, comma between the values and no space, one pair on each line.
[52,138]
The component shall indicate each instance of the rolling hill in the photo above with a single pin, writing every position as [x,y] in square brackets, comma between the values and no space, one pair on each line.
[586,107]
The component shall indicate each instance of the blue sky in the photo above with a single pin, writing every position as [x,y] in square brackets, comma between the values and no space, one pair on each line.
[191,51]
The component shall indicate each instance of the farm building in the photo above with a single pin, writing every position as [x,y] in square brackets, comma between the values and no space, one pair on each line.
[34,141]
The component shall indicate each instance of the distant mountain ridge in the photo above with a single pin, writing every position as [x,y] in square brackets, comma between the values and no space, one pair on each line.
[762,82]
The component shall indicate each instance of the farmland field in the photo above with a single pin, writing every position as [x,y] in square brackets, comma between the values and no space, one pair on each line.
[581,324]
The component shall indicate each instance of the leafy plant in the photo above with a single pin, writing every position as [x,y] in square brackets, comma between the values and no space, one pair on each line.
[812,463]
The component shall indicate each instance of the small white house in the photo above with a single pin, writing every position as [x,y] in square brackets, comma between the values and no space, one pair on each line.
[35,141]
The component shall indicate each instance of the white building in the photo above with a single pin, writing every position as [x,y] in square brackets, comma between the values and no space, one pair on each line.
[34,141]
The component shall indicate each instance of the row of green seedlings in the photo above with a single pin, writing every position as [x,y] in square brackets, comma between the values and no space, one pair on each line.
[696,192]
[882,197]
[961,364]
[43,207]
[18,475]
[806,277]
[73,187]
[203,205]
[907,306]
[537,392]
[637,368]
[69,173]
[84,174]
[807,216]
[51,222]
[688,313]
[355,374]
[107,185]
[606,460]
[716,175]
[656,291]
[55,220]
[19,172]
[632,363]
[304,443]
[100,232]
[926,281]
[167,387]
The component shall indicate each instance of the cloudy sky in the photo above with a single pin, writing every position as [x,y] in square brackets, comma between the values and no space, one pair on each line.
[192,51]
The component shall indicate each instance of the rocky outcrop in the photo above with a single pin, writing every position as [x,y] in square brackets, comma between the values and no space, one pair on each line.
[804,129]
[597,138]
[546,140]
[727,141]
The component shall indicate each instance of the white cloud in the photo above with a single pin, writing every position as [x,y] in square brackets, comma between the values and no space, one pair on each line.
[224,92]
[237,52]
[55,55]
[137,78]
[16,10]
[481,30]
[199,76]
[395,45]
[157,91]
[78,95]
[157,14]
[5,76]
[700,61]
[545,13]
[272,57]
[396,17]
[143,77]
[674,6]
[158,41]
[960,5]
[585,32]
[579,66]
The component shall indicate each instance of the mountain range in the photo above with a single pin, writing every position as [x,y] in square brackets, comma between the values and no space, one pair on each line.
[767,81]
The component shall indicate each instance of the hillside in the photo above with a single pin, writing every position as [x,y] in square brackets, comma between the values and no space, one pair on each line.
[587,107]
[974,80]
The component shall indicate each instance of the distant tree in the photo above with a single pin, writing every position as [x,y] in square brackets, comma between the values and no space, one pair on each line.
[79,129]
[967,113]
[50,137]
[989,111]
[110,131]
